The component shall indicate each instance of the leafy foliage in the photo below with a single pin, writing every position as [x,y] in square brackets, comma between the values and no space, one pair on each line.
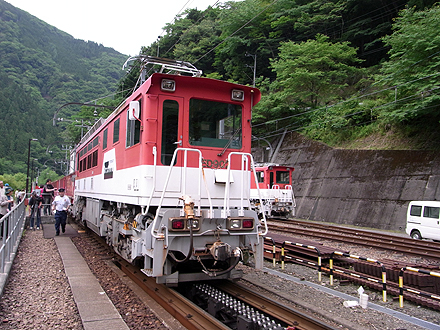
[43,68]
[414,67]
[335,70]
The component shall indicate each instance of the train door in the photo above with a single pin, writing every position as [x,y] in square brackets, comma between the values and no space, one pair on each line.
[270,179]
[170,139]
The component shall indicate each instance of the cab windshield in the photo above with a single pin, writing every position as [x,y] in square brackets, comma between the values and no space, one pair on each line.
[215,124]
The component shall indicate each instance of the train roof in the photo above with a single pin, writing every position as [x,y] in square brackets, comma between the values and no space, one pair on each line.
[266,166]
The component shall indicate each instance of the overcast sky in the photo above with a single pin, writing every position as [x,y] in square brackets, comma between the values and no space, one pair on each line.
[125,26]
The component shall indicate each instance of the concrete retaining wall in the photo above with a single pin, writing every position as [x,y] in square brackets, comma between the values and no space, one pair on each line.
[370,188]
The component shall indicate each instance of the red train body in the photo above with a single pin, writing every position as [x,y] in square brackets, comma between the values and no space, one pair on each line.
[165,178]
[275,189]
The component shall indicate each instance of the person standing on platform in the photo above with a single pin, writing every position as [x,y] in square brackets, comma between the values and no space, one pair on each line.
[6,202]
[2,189]
[35,203]
[48,193]
[60,205]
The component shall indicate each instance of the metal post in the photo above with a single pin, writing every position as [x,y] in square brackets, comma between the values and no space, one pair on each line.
[255,66]
[158,45]
[28,161]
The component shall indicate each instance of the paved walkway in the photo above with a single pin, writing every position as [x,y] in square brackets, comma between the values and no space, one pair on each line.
[95,308]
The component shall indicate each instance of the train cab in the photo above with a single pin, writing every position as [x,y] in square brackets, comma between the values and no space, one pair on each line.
[275,189]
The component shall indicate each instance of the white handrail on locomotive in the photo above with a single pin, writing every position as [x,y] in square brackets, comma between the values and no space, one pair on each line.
[260,207]
[226,208]
[159,206]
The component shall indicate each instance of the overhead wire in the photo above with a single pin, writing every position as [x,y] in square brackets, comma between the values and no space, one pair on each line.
[282,130]
[381,15]
[348,100]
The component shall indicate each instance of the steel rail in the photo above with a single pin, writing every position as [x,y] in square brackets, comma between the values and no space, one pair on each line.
[363,232]
[183,310]
[408,246]
[295,318]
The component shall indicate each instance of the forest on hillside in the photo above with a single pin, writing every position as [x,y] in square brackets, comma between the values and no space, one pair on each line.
[335,71]
[41,69]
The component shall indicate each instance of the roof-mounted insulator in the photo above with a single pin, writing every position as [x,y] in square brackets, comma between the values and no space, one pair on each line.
[167,65]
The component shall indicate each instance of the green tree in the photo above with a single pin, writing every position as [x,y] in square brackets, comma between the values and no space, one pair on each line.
[311,75]
[413,69]
[196,42]
[316,72]
[246,28]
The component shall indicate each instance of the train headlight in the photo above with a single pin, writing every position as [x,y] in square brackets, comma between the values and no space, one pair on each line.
[237,95]
[195,223]
[240,223]
[235,224]
[168,85]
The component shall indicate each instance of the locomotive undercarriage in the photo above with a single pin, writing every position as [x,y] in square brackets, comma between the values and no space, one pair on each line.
[204,250]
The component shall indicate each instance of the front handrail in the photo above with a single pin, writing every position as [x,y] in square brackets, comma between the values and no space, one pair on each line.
[244,165]
[153,186]
[173,160]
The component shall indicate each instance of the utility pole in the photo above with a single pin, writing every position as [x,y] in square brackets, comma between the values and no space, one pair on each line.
[67,149]
[82,127]
[255,66]
[158,42]
[29,159]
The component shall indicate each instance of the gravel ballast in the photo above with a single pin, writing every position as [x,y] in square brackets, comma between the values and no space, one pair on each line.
[38,295]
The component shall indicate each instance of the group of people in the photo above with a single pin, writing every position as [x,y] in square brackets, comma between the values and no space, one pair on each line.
[6,199]
[41,199]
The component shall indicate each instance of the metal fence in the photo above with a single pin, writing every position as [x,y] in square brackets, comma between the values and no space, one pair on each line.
[11,229]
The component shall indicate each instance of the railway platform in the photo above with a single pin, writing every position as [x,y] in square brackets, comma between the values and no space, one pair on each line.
[95,309]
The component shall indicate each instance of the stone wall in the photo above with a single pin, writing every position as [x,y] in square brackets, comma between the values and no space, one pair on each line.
[369,188]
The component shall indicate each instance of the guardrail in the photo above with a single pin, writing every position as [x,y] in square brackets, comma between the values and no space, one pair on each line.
[384,273]
[319,264]
[12,226]
[332,270]
[401,288]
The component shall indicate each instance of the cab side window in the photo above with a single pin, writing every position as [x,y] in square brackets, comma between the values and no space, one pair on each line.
[170,129]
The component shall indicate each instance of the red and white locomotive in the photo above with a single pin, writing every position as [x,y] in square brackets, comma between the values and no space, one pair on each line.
[165,178]
[274,189]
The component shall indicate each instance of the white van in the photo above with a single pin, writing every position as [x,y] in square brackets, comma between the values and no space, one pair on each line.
[422,220]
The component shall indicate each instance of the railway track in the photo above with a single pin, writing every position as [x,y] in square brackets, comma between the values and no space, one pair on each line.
[419,286]
[235,305]
[228,305]
[394,243]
